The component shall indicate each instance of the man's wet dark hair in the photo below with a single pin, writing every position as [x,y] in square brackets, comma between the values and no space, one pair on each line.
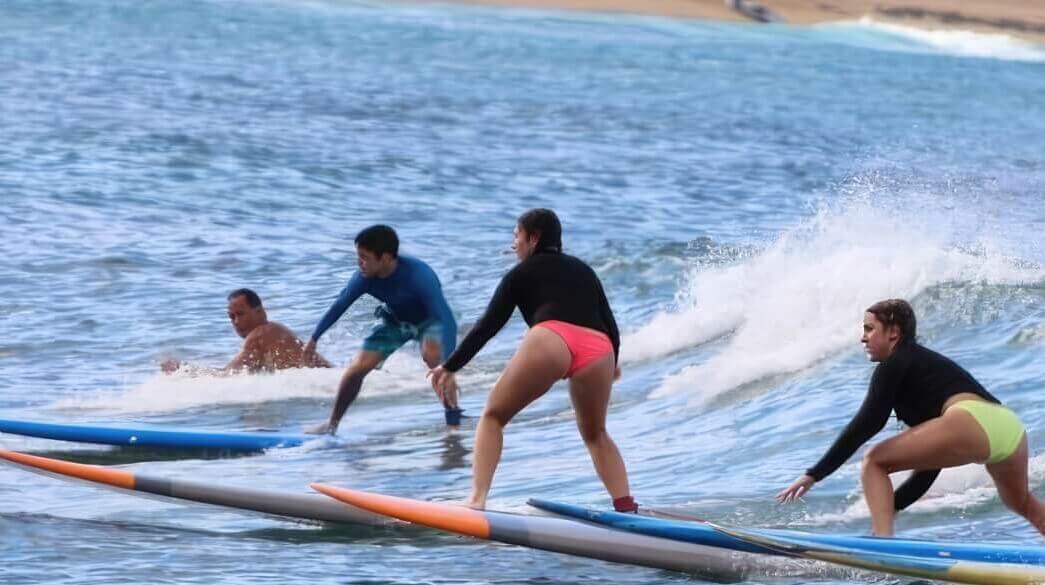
[545,224]
[252,297]
[379,239]
[896,312]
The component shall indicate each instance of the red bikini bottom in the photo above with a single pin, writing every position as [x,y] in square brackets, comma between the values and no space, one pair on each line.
[586,345]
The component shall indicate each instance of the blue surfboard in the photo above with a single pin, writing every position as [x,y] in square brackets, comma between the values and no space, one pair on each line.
[936,568]
[704,533]
[154,436]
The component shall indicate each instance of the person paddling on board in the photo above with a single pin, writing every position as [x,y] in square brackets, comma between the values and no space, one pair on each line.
[572,335]
[953,421]
[267,345]
[414,309]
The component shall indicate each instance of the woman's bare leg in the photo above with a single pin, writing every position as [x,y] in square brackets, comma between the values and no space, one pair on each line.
[948,441]
[1010,476]
[541,359]
[590,393]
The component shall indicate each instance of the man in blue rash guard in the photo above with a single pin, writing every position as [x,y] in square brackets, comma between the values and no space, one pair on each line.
[414,309]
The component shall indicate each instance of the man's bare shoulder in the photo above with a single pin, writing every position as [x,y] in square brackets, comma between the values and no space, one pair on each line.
[271,332]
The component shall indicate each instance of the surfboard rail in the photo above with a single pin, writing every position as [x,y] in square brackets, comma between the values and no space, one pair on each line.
[298,506]
[929,567]
[568,536]
[704,533]
[154,436]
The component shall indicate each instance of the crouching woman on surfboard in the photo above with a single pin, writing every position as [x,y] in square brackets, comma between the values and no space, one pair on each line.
[953,421]
[572,335]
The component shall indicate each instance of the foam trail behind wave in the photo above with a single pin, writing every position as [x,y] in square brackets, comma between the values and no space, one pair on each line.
[962,43]
[802,299]
[171,393]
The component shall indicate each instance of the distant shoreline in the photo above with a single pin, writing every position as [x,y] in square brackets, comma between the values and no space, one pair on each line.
[1017,18]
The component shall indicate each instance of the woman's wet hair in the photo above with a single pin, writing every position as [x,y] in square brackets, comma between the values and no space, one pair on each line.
[545,224]
[896,312]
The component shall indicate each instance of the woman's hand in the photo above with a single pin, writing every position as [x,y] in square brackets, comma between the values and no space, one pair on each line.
[444,382]
[795,491]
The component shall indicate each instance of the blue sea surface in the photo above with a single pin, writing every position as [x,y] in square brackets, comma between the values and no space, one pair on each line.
[744,192]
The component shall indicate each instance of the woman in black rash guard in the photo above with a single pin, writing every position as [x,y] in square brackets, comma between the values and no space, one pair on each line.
[954,421]
[572,335]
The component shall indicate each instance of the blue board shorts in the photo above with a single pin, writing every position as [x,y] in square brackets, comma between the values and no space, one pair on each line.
[391,334]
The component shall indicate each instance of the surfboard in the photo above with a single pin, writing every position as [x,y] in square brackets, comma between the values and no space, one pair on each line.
[936,568]
[306,506]
[153,436]
[704,533]
[567,536]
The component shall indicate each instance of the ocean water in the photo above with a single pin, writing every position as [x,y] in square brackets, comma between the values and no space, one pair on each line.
[743,191]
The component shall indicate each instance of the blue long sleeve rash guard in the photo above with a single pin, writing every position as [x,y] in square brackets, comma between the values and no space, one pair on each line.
[412,293]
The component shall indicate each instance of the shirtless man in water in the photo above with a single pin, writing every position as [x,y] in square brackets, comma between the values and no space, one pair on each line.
[267,345]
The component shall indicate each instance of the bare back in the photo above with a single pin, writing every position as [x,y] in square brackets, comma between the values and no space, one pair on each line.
[273,346]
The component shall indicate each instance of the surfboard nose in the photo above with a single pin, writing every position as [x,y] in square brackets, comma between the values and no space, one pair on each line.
[113,477]
[447,517]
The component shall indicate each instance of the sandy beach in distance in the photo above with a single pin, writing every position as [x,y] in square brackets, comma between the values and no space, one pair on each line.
[1018,18]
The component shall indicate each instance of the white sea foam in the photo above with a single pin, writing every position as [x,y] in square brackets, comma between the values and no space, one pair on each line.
[169,393]
[961,43]
[802,298]
[1031,335]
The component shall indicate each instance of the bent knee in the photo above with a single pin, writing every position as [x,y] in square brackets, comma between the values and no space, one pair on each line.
[591,434]
[1016,499]
[877,457]
[431,353]
[1024,506]
[1017,505]
[356,372]
[497,415]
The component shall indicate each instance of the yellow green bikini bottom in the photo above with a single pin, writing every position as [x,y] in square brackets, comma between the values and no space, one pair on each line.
[1004,429]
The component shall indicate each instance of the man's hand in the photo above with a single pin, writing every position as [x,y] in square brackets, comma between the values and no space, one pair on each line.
[308,353]
[616,373]
[169,366]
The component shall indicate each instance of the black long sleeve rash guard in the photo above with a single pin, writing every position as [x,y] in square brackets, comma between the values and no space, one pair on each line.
[915,382]
[547,286]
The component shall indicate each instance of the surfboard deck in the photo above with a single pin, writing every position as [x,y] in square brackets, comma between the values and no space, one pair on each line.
[704,533]
[154,436]
[567,536]
[305,506]
[936,568]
